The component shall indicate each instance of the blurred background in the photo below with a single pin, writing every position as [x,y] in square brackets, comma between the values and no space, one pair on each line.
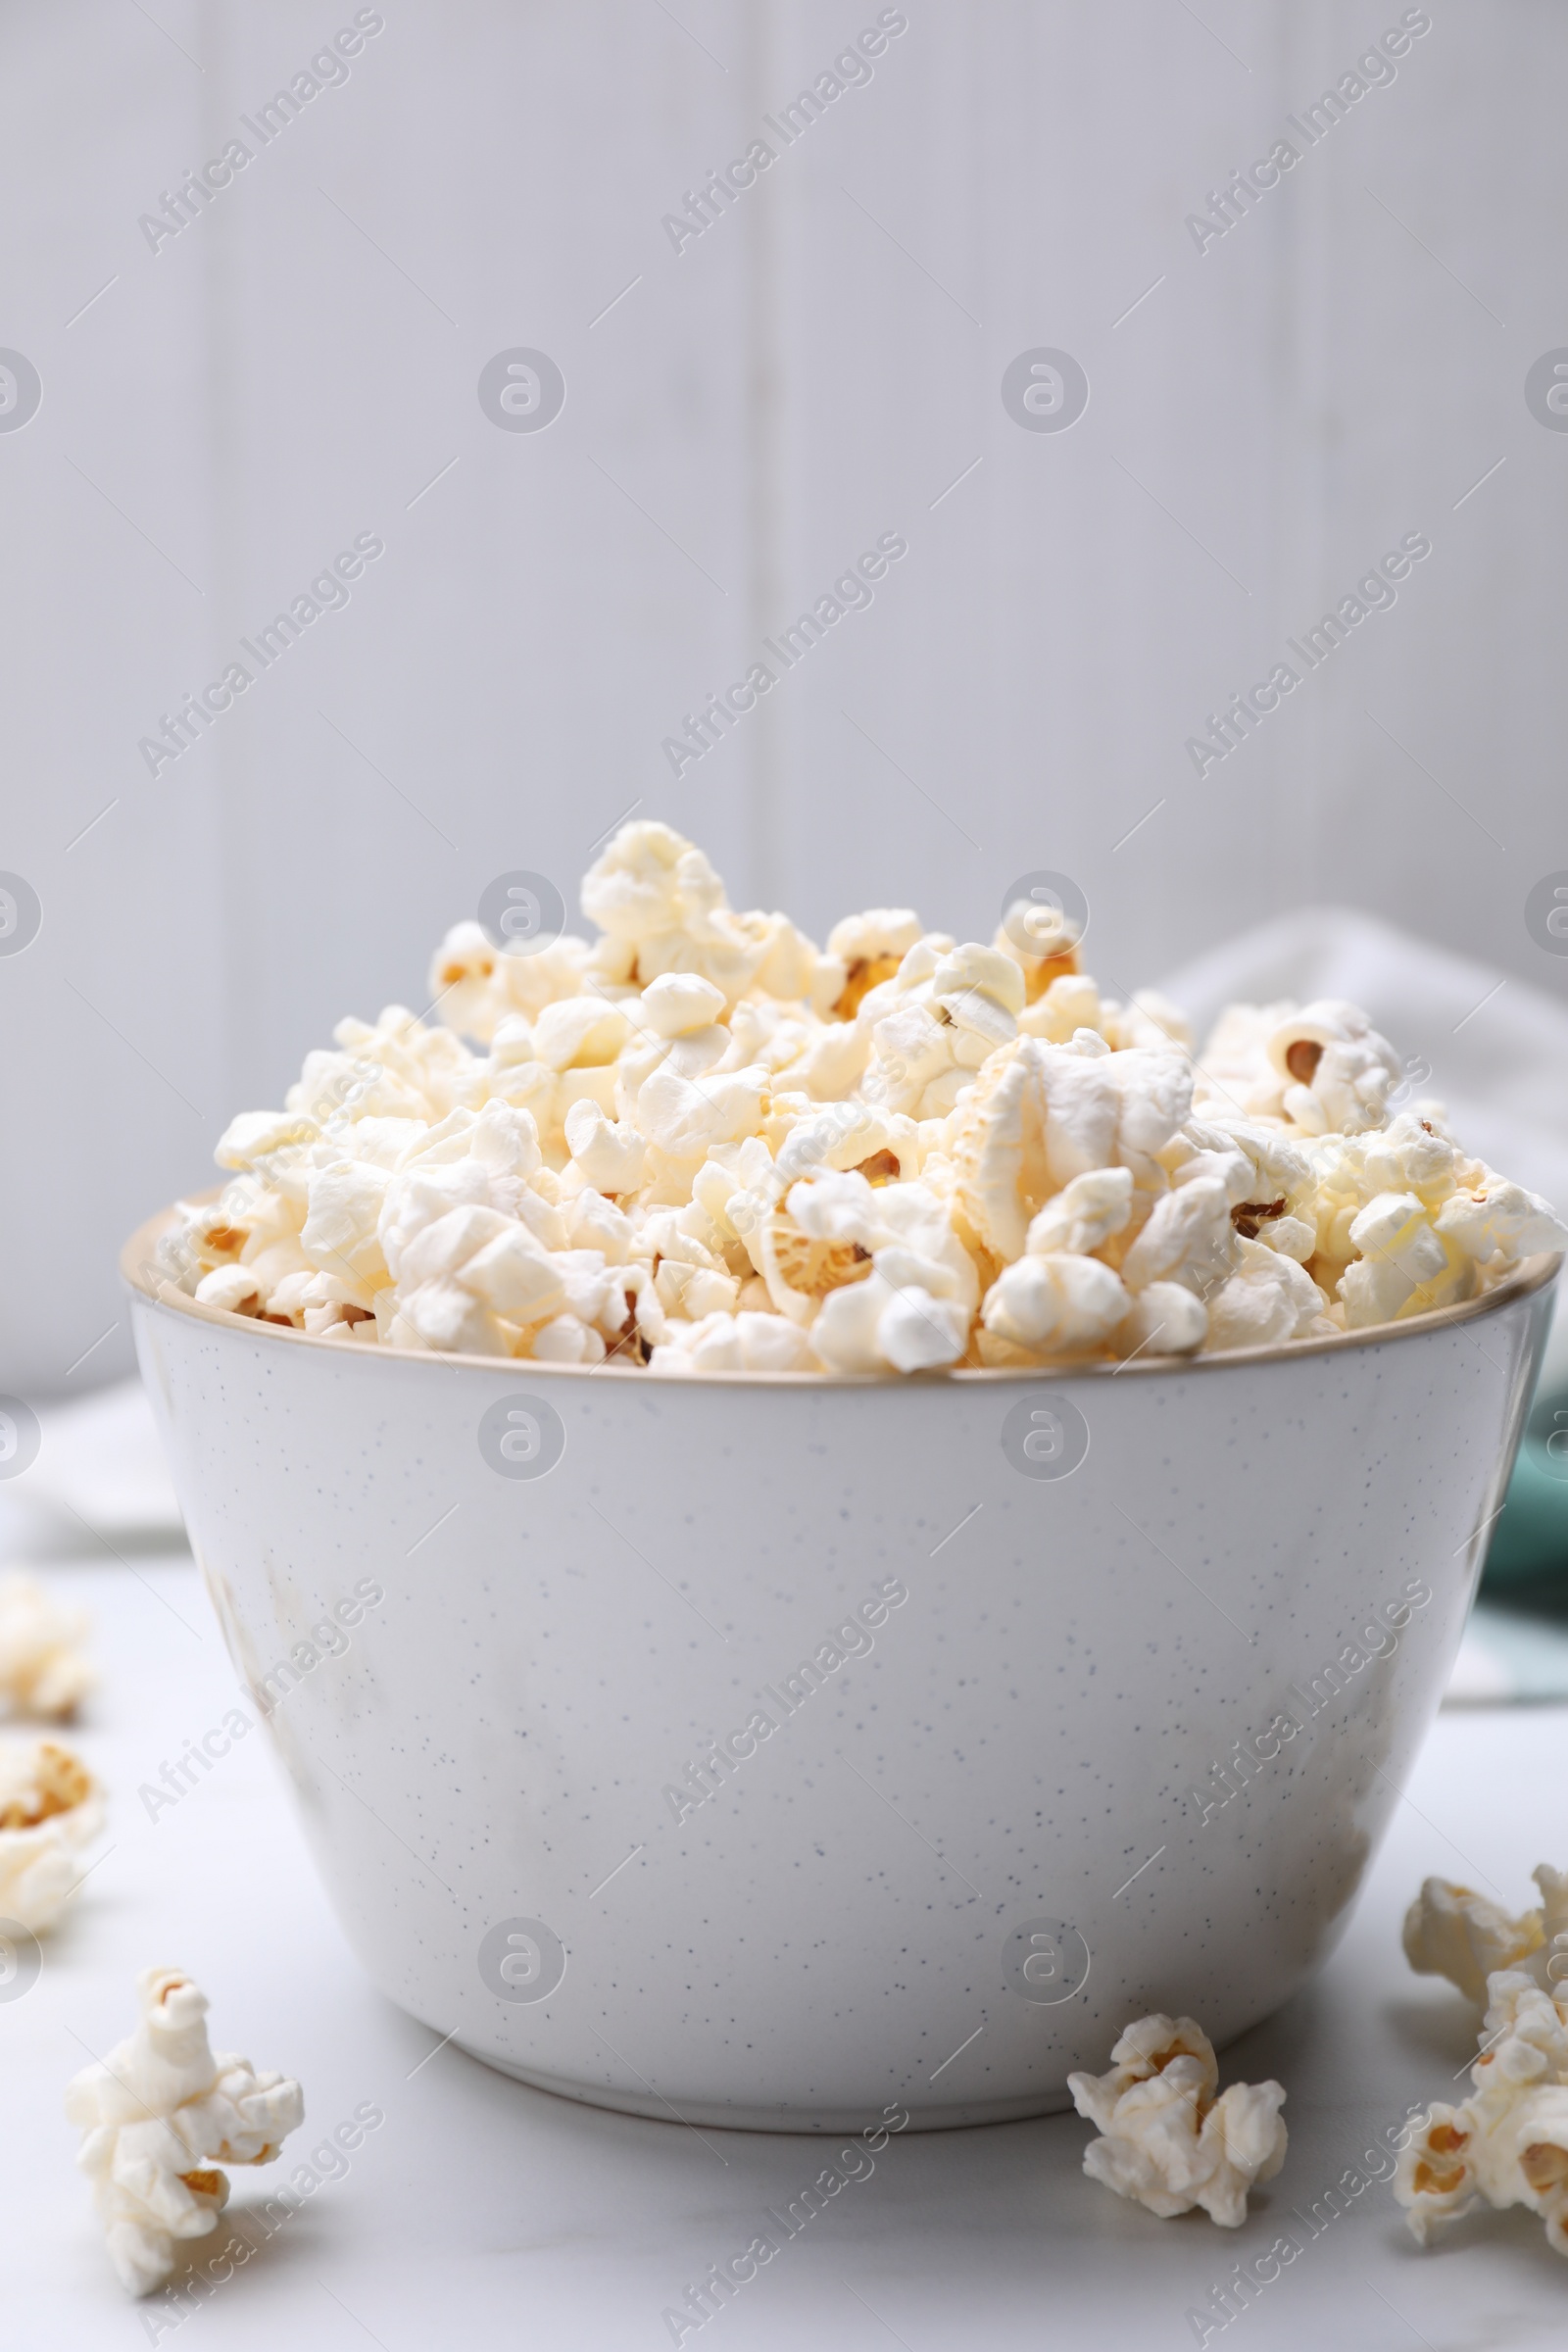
[213,389]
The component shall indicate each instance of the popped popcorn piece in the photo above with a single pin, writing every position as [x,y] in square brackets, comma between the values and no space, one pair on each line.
[1498,1219]
[821,1239]
[1002,1173]
[1507,2143]
[579,1033]
[1188,1239]
[870,948]
[1166,1319]
[1452,1931]
[41,1669]
[1152,1019]
[1334,1070]
[1268,1299]
[735,1342]
[462,979]
[1084,1214]
[233,1287]
[156,2115]
[607,1153]
[1234,1070]
[51,1809]
[566,1339]
[1038,1171]
[892,1321]
[1042,940]
[1169,2144]
[257,1135]
[657,896]
[677,1003]
[928,1037]
[1056,1299]
[1068,1002]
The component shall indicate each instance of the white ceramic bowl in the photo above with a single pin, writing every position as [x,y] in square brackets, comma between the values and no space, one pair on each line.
[960,1858]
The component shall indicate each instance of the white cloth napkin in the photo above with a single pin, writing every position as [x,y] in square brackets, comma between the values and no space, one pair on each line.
[99,1480]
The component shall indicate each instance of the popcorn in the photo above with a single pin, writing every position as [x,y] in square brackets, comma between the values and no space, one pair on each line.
[1169,2144]
[1056,1301]
[41,1671]
[1189,1239]
[892,1322]
[607,1153]
[1401,1258]
[735,1342]
[868,950]
[580,1033]
[1335,1070]
[1498,1219]
[235,1288]
[1507,2143]
[1042,941]
[910,1151]
[820,1241]
[461,978]
[1268,1299]
[155,2112]
[51,1809]
[1165,1318]
[658,898]
[1085,1214]
[677,1003]
[1451,1931]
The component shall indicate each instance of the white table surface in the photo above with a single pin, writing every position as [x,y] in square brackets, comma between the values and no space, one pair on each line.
[483,2212]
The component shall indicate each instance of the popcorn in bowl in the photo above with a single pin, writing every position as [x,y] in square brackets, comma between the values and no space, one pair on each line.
[701,1144]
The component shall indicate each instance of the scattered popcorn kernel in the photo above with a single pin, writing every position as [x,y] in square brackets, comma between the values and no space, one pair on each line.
[607,1148]
[1451,1931]
[1507,2143]
[158,2114]
[51,1809]
[42,1670]
[1168,2142]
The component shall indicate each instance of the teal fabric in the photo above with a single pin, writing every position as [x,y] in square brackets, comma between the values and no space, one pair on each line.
[1528,1558]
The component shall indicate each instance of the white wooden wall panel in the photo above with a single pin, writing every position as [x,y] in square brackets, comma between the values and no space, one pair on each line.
[815,370]
[110,1035]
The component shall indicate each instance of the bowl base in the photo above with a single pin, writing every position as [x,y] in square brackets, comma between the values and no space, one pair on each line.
[821,2122]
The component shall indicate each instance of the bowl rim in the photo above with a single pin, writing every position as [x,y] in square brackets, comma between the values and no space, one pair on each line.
[142,1280]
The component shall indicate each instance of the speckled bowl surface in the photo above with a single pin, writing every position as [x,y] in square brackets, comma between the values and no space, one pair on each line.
[770,1751]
